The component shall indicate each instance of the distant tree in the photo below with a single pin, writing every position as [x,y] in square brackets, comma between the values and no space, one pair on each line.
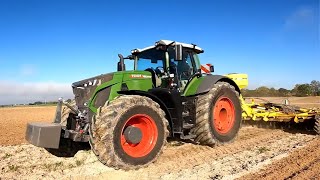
[248,93]
[52,102]
[299,90]
[315,87]
[263,91]
[295,89]
[302,90]
[283,92]
[273,92]
[38,103]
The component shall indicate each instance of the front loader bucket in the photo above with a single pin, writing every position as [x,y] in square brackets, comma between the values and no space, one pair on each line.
[45,135]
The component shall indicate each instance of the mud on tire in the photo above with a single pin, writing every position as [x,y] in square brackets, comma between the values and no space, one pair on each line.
[107,132]
[317,124]
[207,129]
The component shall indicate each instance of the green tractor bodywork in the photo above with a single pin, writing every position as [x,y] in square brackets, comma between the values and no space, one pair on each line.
[142,81]
[131,80]
[174,92]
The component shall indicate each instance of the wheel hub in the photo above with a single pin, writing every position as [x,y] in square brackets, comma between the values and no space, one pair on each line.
[224,115]
[139,135]
[132,135]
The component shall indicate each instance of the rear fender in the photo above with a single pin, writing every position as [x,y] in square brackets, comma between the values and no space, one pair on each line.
[209,80]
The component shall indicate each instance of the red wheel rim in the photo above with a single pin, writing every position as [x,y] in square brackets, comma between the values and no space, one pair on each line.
[149,138]
[223,115]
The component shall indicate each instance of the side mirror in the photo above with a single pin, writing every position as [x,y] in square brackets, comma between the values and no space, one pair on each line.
[211,68]
[178,54]
[207,68]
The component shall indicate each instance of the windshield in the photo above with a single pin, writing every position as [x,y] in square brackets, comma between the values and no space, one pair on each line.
[150,59]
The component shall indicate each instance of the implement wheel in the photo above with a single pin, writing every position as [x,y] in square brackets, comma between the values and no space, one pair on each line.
[129,133]
[218,115]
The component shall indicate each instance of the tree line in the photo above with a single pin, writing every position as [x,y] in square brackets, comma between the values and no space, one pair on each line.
[301,90]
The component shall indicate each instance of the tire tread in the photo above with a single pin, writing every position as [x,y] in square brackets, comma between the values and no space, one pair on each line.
[103,124]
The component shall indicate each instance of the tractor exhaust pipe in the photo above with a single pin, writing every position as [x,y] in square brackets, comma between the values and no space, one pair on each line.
[121,65]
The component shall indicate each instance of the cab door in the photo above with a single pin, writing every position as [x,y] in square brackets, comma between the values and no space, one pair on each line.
[186,69]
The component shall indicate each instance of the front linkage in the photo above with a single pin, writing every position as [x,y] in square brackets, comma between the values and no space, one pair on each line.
[48,135]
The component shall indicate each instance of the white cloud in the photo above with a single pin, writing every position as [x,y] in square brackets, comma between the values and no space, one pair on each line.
[304,16]
[15,92]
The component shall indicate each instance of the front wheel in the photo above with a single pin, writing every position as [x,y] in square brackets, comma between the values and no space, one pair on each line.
[129,133]
[218,115]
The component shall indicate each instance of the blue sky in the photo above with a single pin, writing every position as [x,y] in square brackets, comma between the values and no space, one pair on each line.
[47,45]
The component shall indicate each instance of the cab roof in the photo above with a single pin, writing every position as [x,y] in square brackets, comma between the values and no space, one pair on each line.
[169,43]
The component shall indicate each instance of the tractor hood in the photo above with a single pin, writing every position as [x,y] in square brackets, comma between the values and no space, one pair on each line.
[84,89]
[97,90]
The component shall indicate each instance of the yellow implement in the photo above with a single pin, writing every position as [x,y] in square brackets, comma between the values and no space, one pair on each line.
[271,111]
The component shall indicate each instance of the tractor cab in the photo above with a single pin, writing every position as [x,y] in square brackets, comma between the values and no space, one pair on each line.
[172,64]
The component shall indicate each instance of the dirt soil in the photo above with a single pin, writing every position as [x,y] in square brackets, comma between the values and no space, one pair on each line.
[13,122]
[303,163]
[257,153]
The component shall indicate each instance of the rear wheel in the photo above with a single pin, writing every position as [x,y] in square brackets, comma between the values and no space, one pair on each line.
[128,133]
[218,115]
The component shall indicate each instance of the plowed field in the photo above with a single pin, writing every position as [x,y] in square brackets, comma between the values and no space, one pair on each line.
[257,153]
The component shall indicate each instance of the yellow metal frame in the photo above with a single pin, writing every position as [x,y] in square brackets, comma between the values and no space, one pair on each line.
[252,111]
[256,112]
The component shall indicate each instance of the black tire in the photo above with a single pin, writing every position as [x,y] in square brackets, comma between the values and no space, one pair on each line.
[108,125]
[317,124]
[207,133]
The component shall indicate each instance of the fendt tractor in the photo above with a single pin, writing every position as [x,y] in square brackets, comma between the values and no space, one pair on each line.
[127,116]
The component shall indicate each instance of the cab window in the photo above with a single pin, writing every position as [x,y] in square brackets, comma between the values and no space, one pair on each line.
[185,67]
[150,59]
[196,61]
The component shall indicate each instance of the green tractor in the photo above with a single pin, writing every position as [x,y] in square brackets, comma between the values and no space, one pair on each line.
[127,116]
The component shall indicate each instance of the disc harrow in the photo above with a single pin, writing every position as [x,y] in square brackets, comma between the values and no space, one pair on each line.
[275,115]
